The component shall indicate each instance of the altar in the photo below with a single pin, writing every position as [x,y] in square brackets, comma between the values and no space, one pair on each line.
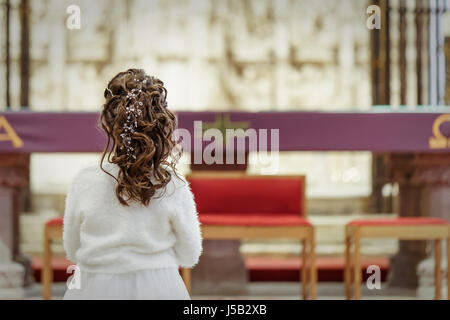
[415,145]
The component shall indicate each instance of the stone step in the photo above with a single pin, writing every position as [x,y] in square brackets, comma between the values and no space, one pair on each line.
[329,269]
[259,268]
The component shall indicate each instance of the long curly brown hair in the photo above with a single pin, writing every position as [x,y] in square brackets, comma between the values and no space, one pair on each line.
[144,154]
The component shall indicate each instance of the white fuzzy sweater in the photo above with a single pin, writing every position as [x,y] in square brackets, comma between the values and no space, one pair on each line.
[100,235]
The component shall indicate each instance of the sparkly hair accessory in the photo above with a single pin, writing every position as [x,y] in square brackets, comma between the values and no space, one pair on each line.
[133,112]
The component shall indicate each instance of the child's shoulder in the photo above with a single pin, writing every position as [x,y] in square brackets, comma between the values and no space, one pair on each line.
[90,173]
[177,184]
[90,169]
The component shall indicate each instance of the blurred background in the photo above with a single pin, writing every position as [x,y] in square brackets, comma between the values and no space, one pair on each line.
[233,55]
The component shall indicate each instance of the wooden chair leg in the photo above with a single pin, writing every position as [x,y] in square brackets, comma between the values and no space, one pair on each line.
[448,268]
[46,271]
[357,267]
[437,269]
[186,275]
[312,267]
[303,273]
[347,273]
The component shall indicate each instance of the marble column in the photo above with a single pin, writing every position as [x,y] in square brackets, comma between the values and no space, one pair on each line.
[14,177]
[439,181]
[420,178]
[221,269]
[11,275]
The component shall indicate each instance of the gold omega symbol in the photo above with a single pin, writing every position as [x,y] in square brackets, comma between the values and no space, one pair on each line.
[439,141]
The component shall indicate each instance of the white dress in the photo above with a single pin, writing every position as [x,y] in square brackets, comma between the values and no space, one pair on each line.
[149,284]
[128,252]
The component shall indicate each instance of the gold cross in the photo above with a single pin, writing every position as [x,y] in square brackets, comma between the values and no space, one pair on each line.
[222,123]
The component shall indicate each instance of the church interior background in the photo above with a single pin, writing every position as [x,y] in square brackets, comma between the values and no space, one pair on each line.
[235,55]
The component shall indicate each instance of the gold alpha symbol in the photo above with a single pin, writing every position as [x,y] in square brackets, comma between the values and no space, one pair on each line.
[439,141]
[10,134]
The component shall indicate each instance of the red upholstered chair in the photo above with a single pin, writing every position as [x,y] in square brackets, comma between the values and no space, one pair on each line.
[403,228]
[53,230]
[245,206]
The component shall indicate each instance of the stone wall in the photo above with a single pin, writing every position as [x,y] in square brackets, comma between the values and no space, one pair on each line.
[233,54]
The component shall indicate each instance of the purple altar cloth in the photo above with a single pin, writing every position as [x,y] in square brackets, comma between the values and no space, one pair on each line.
[313,131]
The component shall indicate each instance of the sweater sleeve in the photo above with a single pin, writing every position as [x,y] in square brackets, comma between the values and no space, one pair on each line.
[186,226]
[72,222]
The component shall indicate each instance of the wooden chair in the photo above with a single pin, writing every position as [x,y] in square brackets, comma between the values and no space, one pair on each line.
[256,206]
[52,231]
[400,228]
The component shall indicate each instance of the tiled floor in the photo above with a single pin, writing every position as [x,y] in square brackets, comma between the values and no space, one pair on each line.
[280,290]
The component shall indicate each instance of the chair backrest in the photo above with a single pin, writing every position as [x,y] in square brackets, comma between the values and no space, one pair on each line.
[249,194]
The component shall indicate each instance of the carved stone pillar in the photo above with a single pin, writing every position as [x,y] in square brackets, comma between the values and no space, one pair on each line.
[11,275]
[439,181]
[221,269]
[421,178]
[14,178]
